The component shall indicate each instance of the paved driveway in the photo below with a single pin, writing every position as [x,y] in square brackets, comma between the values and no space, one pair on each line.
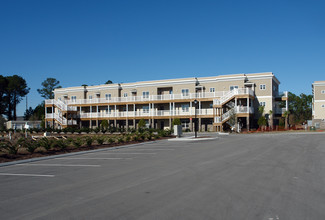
[271,176]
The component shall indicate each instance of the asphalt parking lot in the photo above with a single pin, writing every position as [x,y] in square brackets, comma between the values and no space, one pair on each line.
[265,176]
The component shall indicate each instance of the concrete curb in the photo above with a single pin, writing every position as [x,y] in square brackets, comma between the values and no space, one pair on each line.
[74,153]
[192,139]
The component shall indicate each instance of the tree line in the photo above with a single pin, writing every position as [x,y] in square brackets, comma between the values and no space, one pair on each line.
[12,90]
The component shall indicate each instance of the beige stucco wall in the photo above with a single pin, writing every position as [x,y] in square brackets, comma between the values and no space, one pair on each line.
[268,104]
[318,92]
[319,110]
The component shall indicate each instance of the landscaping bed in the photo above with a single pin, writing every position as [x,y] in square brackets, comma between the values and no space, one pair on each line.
[19,147]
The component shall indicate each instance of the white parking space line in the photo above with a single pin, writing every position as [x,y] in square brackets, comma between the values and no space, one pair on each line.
[125,153]
[25,174]
[93,158]
[141,149]
[58,165]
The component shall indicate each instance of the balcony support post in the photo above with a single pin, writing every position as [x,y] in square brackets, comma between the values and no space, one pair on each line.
[134,116]
[153,114]
[115,115]
[174,110]
[90,121]
[97,116]
[127,120]
[200,126]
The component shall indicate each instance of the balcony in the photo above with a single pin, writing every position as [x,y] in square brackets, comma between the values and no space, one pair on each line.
[152,113]
[134,99]
[134,114]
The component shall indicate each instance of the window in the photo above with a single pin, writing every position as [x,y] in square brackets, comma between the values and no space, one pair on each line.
[323,91]
[185,107]
[262,103]
[145,95]
[170,91]
[90,97]
[185,92]
[125,94]
[262,87]
[212,89]
[233,87]
[108,96]
[73,98]
[323,106]
[211,105]
[145,109]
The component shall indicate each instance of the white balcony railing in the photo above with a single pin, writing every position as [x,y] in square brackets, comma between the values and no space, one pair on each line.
[235,110]
[63,104]
[230,94]
[151,113]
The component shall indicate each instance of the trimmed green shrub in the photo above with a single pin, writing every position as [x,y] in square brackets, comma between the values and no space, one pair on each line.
[177,121]
[30,145]
[10,147]
[89,141]
[110,140]
[142,124]
[77,142]
[100,140]
[59,144]
[46,143]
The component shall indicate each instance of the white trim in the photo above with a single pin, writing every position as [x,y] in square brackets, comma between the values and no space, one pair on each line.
[319,83]
[264,97]
[319,100]
[167,82]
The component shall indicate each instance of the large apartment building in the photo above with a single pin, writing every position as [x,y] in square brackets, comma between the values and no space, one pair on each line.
[212,100]
[318,106]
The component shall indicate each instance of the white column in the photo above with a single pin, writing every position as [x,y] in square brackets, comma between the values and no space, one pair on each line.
[127,120]
[91,122]
[97,112]
[199,107]
[115,111]
[190,107]
[287,105]
[153,109]
[149,110]
[174,109]
[134,112]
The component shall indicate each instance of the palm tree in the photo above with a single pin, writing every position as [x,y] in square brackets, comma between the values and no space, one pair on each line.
[271,119]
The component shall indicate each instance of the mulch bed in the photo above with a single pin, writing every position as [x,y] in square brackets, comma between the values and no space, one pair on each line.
[22,156]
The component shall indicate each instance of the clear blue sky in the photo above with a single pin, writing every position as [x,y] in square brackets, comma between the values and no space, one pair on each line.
[90,42]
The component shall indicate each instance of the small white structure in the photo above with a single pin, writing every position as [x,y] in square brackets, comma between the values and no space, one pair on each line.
[22,124]
[178,130]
